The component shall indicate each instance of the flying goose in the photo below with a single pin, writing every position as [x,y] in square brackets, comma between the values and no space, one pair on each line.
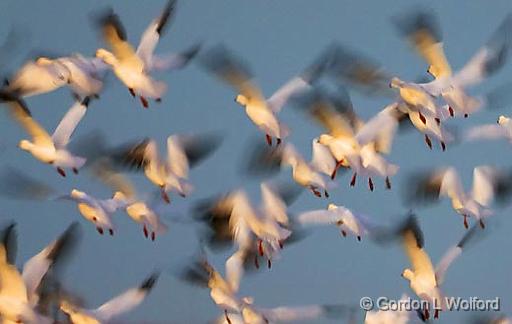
[19,291]
[261,111]
[50,149]
[352,142]
[133,67]
[183,152]
[489,184]
[422,30]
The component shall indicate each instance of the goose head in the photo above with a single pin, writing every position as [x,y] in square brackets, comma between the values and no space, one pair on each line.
[242,100]
[408,274]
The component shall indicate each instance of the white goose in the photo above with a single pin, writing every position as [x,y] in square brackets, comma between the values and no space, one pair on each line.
[421,30]
[260,110]
[137,208]
[425,280]
[183,152]
[488,183]
[18,185]
[19,294]
[503,130]
[352,142]
[97,211]
[309,174]
[348,222]
[257,230]
[132,66]
[51,149]
[109,311]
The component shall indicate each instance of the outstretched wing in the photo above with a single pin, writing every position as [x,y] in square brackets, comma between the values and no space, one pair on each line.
[152,34]
[69,122]
[127,300]
[422,30]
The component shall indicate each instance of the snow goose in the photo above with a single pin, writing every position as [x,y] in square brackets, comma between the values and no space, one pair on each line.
[421,107]
[260,110]
[18,185]
[422,30]
[352,142]
[346,220]
[132,66]
[183,152]
[19,292]
[258,231]
[503,130]
[109,311]
[51,149]
[223,290]
[489,184]
[425,279]
[309,174]
[141,211]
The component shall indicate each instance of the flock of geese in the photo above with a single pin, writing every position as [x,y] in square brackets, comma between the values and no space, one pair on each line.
[257,231]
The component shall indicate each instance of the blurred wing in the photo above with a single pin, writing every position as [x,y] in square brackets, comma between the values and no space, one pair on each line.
[177,158]
[359,71]
[197,147]
[318,217]
[12,284]
[69,122]
[36,267]
[135,155]
[424,187]
[232,70]
[380,129]
[453,253]
[451,185]
[334,112]
[126,301]
[235,269]
[21,114]
[487,132]
[488,59]
[302,313]
[113,179]
[114,35]
[322,159]
[413,245]
[423,32]
[18,185]
[152,34]
[485,179]
[174,61]
[272,204]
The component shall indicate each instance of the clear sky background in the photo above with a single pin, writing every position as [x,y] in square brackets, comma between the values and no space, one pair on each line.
[278,39]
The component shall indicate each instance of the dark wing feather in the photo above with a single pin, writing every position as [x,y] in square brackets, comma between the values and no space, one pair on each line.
[198,147]
[167,13]
[131,155]
[9,241]
[423,187]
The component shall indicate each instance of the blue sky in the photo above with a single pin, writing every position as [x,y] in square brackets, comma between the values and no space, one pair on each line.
[278,39]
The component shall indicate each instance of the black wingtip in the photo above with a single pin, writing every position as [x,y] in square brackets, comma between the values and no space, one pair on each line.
[166,14]
[66,242]
[109,18]
[86,102]
[150,282]
[192,51]
[9,241]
